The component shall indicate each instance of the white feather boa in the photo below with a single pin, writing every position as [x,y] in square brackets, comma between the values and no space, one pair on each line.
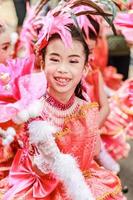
[62,165]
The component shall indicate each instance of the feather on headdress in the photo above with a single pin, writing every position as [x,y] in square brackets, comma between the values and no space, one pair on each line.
[73,12]
[76,12]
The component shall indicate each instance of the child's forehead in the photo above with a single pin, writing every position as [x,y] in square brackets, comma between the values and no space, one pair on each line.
[57,43]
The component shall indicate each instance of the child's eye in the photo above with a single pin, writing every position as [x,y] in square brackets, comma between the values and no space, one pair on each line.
[54,59]
[74,61]
[5,47]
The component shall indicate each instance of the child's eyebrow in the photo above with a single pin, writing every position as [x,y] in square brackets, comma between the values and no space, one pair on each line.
[5,43]
[54,54]
[74,55]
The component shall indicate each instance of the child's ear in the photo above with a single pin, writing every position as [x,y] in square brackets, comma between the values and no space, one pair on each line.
[86,70]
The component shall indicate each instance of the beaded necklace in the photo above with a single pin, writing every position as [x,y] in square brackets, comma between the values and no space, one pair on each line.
[55,112]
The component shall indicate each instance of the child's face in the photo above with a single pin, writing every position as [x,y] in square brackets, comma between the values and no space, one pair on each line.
[64,67]
[5,47]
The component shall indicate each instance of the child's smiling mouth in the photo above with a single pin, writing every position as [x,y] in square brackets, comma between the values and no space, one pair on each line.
[62,81]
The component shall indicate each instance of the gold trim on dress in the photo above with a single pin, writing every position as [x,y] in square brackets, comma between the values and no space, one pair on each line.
[82,113]
[117,190]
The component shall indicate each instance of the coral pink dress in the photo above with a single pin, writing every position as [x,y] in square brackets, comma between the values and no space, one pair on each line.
[77,135]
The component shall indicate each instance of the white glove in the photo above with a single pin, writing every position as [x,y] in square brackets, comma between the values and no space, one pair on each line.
[41,135]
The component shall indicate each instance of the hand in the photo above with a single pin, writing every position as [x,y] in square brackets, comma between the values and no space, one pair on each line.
[40,135]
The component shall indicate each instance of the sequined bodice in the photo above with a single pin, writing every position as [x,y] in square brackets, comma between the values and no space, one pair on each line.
[76,124]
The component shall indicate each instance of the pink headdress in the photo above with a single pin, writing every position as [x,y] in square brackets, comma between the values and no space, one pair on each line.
[77,13]
[57,20]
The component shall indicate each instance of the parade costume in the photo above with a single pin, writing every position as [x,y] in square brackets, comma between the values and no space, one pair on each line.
[71,141]
[59,141]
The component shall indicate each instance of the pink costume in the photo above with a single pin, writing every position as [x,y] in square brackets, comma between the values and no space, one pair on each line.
[59,144]
[77,135]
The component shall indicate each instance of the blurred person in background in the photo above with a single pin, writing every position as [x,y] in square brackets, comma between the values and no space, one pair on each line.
[20,7]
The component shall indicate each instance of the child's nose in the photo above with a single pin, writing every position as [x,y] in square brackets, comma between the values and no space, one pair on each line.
[62,68]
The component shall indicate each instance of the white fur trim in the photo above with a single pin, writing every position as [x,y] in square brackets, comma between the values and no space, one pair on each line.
[40,131]
[8,135]
[11,131]
[21,117]
[35,108]
[66,168]
[7,140]
[24,115]
[107,161]
[17,120]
